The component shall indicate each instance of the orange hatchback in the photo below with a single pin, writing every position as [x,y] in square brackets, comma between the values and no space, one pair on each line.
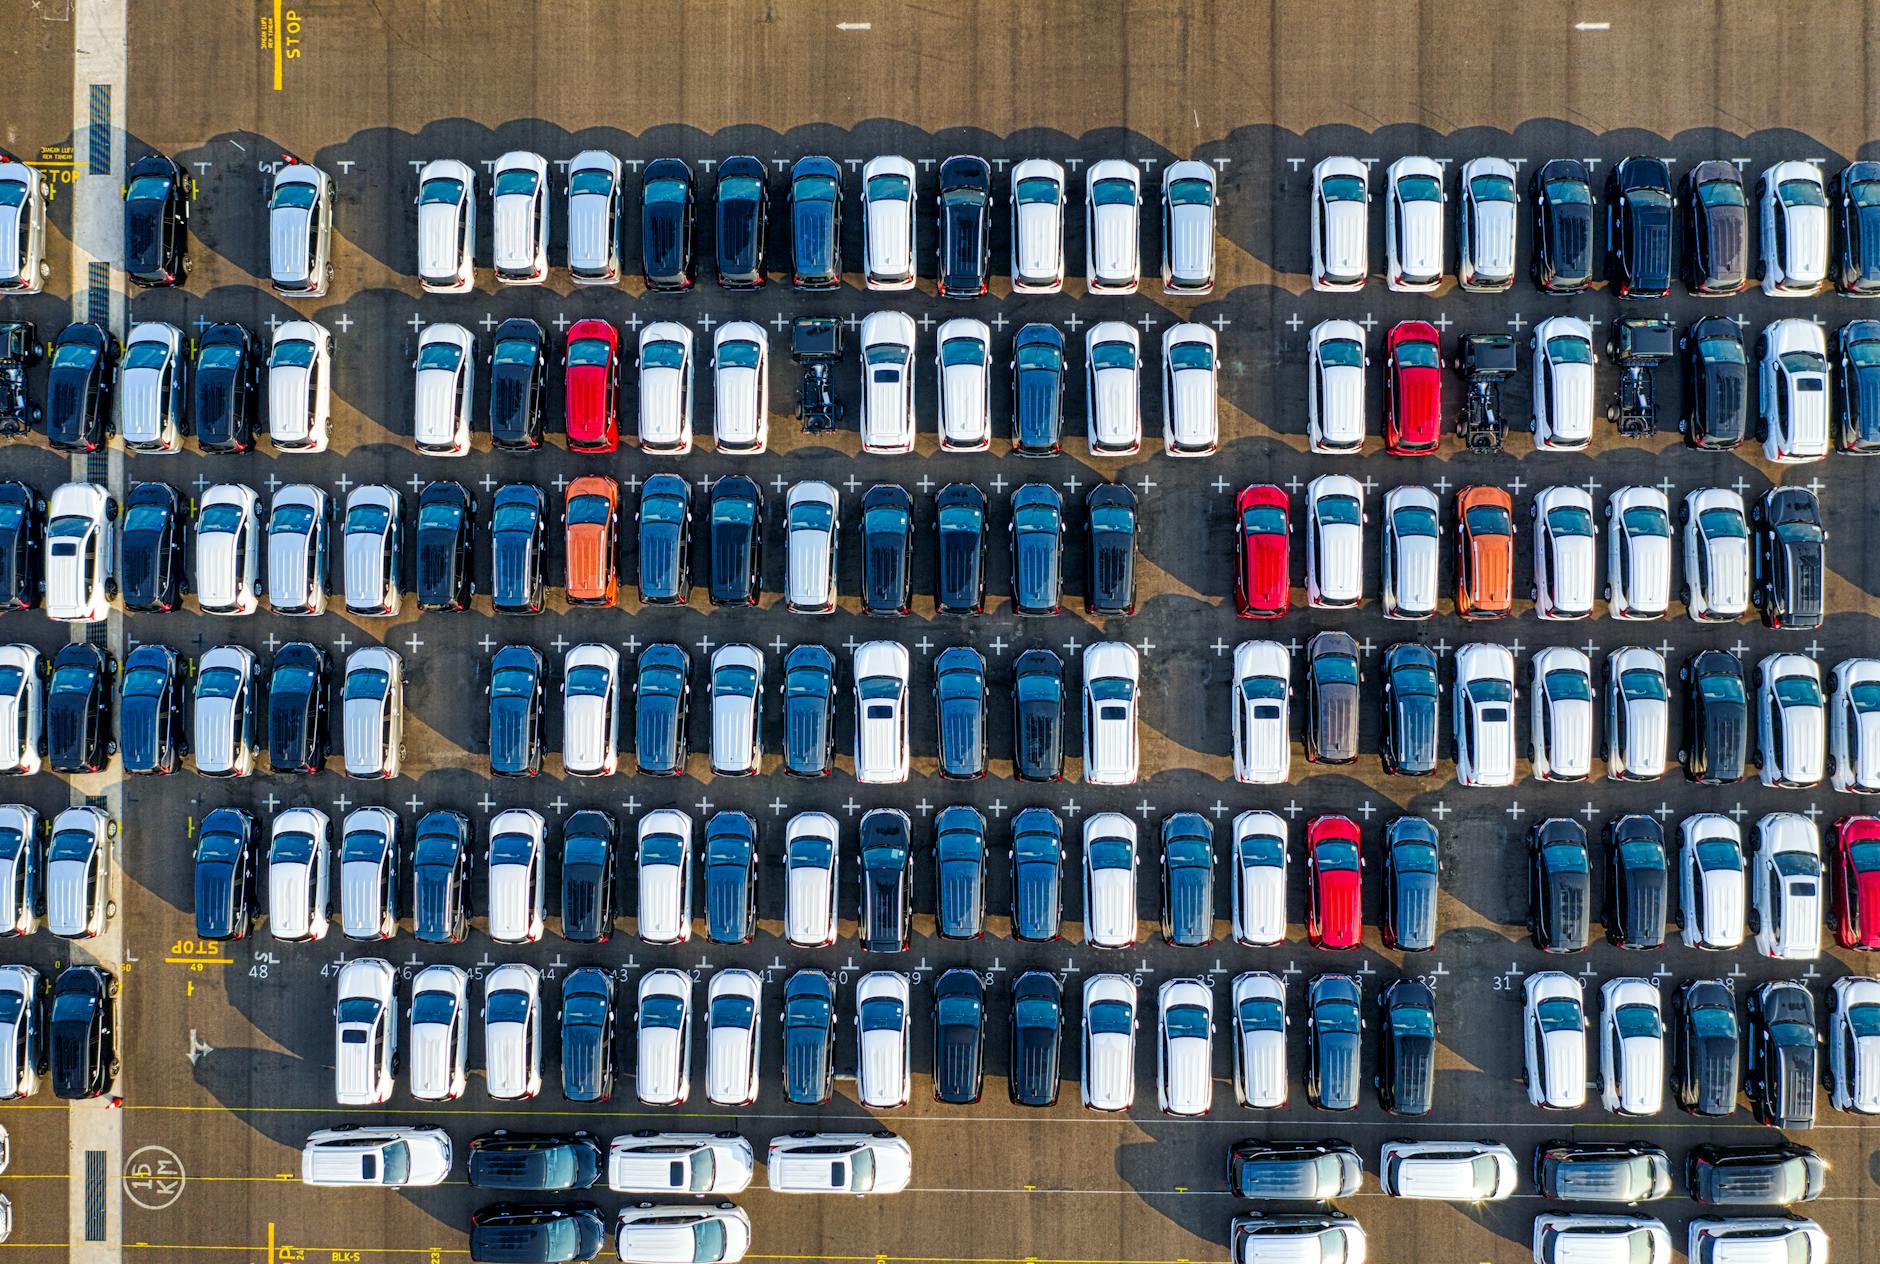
[1484,553]
[592,527]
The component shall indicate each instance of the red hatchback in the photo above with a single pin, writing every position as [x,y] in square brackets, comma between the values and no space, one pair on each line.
[1854,864]
[1414,412]
[593,384]
[1263,551]
[1334,907]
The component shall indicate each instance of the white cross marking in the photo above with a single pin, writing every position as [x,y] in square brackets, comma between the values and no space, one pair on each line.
[1515,809]
[1146,808]
[1517,322]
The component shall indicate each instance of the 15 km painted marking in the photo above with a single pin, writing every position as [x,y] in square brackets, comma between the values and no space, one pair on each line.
[154,1177]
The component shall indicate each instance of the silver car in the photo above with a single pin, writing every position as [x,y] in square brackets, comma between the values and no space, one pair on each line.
[152,386]
[78,873]
[1485,230]
[1188,194]
[593,213]
[372,705]
[300,389]
[300,231]
[372,541]
[811,512]
[299,527]
[23,193]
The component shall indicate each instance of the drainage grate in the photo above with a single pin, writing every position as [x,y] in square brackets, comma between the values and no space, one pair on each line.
[94,1195]
[96,633]
[98,291]
[99,144]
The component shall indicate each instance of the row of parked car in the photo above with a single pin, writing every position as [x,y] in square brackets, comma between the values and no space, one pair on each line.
[63,1028]
[1800,253]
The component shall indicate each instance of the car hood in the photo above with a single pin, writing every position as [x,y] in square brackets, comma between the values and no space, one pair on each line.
[1340,908]
[66,911]
[1113,241]
[1493,247]
[731,730]
[1343,405]
[1421,392]
[1111,917]
[810,894]
[288,228]
[364,734]
[1573,400]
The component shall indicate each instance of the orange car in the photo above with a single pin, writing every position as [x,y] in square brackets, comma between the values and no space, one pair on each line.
[592,513]
[1484,553]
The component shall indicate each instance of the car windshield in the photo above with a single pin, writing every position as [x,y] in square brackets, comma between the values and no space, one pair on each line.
[962,351]
[1865,354]
[1109,853]
[1186,1022]
[434,1007]
[1190,355]
[368,684]
[1419,188]
[148,189]
[814,189]
[220,517]
[888,188]
[1800,193]
[1336,1015]
[1490,690]
[219,682]
[441,190]
[1798,532]
[970,518]
[1643,683]
[508,1005]
[1035,518]
[373,519]
[294,353]
[588,680]
[733,1011]
[662,354]
[1335,669]
[594,353]
[1720,193]
[1716,854]
[291,519]
[295,193]
[1110,518]
[141,682]
[1341,353]
[1723,524]
[522,351]
[220,356]
[1416,682]
[73,678]
[738,353]
[738,681]
[1336,853]
[1864,857]
[661,680]
[1343,188]
[1720,687]
[71,844]
[662,1011]
[1570,520]
[1492,189]
[1113,193]
[880,1013]
[439,515]
[1341,510]
[1864,697]
[75,355]
[1413,857]
[1569,349]
[1489,520]
[1569,685]
[514,516]
[1569,193]
[664,191]
[1255,688]
[1263,520]
[878,687]
[1864,1020]
[1558,1014]
[1798,691]
[1722,350]
[1113,355]
[294,848]
[1646,520]
[1415,354]
[367,845]
[1189,193]
[513,682]
[1262,1014]
[1636,1020]
[886,353]
[811,853]
[662,509]
[1035,1011]
[1413,1021]
[1713,1023]
[1649,196]
[958,1011]
[516,182]
[589,511]
[733,510]
[144,355]
[1039,355]
[512,849]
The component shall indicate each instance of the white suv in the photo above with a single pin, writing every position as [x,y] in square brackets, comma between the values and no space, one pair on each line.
[881,684]
[1791,721]
[1854,726]
[1334,541]
[372,712]
[1638,553]
[663,1041]
[386,1156]
[590,708]
[1335,387]
[1712,881]
[517,875]
[80,552]
[439,1039]
[1554,1026]
[1111,674]
[365,1032]
[1563,383]
[228,550]
[839,1163]
[1561,714]
[664,860]
[883,1027]
[443,384]
[1786,885]
[519,229]
[734,1025]
[300,387]
[1631,1047]
[887,382]
[512,1031]
[1262,726]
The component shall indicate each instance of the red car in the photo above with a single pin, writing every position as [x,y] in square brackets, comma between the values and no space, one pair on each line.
[1413,362]
[1263,551]
[593,383]
[1854,866]
[1334,906]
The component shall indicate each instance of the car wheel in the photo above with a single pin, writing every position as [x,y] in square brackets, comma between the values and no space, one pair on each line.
[1756,596]
[110,749]
[111,988]
[110,829]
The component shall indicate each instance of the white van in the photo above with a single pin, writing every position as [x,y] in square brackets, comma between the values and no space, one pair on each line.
[839,1163]
[1564,1238]
[1455,1171]
[1333,1238]
[679,1163]
[384,1155]
[1109,1061]
[300,231]
[444,384]
[512,1031]
[447,227]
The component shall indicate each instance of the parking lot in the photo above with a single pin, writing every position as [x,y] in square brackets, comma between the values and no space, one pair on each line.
[229,1048]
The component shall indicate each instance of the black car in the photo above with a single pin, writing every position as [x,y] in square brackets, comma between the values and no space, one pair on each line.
[737,541]
[1037,549]
[959,579]
[815,224]
[959,693]
[22,537]
[151,710]
[1410,884]
[959,1037]
[1037,1034]
[665,535]
[1406,1055]
[156,221]
[1110,514]
[1332,680]
[1038,390]
[1788,561]
[222,392]
[518,527]
[1716,718]
[1629,1172]
[809,1038]
[667,211]
[518,369]
[1561,193]
[1187,880]
[1779,1074]
[20,349]
[530,1233]
[150,548]
[743,222]
[1038,716]
[1638,883]
[1641,252]
[662,695]
[440,878]
[959,862]
[587,1034]
[516,1160]
[446,546]
[82,1033]
[1859,263]
[1410,706]
[78,387]
[886,861]
[78,709]
[1333,1024]
[887,550]
[1560,885]
[225,874]
[1704,1075]
[587,877]
[731,851]
[965,226]
[1859,343]
[1037,875]
[809,728]
[1302,1171]
[1716,392]
[299,683]
[1718,260]
[518,691]
[1776,1173]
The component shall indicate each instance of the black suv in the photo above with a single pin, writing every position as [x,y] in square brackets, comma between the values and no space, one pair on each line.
[1561,193]
[587,877]
[517,692]
[1640,247]
[446,548]
[1719,228]
[737,541]
[1637,881]
[743,222]
[886,860]
[1406,1057]
[959,1037]
[518,367]
[1716,718]
[225,874]
[83,1033]
[223,389]
[1410,706]
[959,579]
[156,221]
[1110,512]
[440,878]
[532,1233]
[815,224]
[1777,1173]
[1859,264]
[887,549]
[518,525]
[667,211]
[506,1160]
[965,226]
[78,387]
[150,548]
[1037,1034]
[1716,391]
[1038,716]
[298,685]
[1780,1072]
[665,532]
[151,710]
[22,537]
[78,709]
[1560,885]
[1789,561]
[1704,1075]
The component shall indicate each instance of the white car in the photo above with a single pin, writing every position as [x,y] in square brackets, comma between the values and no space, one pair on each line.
[22,710]
[1485,229]
[21,995]
[365,1031]
[887,382]
[888,184]
[23,193]
[1792,391]
[1412,548]
[1341,224]
[1564,552]
[1561,714]
[1794,205]
[152,384]
[1453,1171]
[1109,881]
[664,1038]
[228,550]
[300,387]
[831,1163]
[21,858]
[447,226]
[812,856]
[1109,1043]
[1712,881]
[1757,1240]
[300,231]
[590,710]
[299,874]
[443,384]
[1037,226]
[1554,1026]
[647,1234]
[1259,879]
[78,872]
[1262,724]
[225,705]
[664,859]
[372,712]
[368,874]
[647,1162]
[737,704]
[1786,887]
[1791,721]
[1563,383]
[80,548]
[1638,714]
[512,1032]
[1260,1040]
[883,1028]
[1191,409]
[665,368]
[1113,389]
[1716,555]
[593,213]
[1188,192]
[734,1026]
[1413,225]
[1484,715]
[438,1044]
[881,672]
[963,378]
[1638,553]
[1631,1047]
[1335,386]
[299,527]
[1112,208]
[812,513]
[371,543]
[1111,674]
[1334,541]
[1853,1041]
[519,224]
[1184,1047]
[388,1157]
[517,876]
[740,388]
[1854,726]
[1572,1238]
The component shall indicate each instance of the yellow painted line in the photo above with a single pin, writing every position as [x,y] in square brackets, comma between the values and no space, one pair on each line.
[270,1241]
[279,36]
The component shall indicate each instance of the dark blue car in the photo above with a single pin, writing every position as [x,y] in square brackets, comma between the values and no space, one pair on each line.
[731,878]
[1859,270]
[1410,884]
[151,710]
[815,224]
[587,877]
[518,525]
[965,226]
[1410,699]
[887,549]
[1037,549]
[887,880]
[1332,1027]
[737,540]
[79,708]
[959,1037]
[225,874]
[1637,881]
[809,696]
[960,559]
[150,548]
[662,699]
[1187,880]
[743,220]
[440,878]
[959,693]
[1038,716]
[1038,391]
[809,1038]
[517,692]
[1110,510]
[1037,1035]
[298,688]
[667,213]
[960,867]
[665,522]
[587,1035]
[1037,875]
[1860,384]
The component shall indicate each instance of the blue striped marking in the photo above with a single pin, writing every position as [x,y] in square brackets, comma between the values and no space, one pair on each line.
[98,292]
[98,146]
